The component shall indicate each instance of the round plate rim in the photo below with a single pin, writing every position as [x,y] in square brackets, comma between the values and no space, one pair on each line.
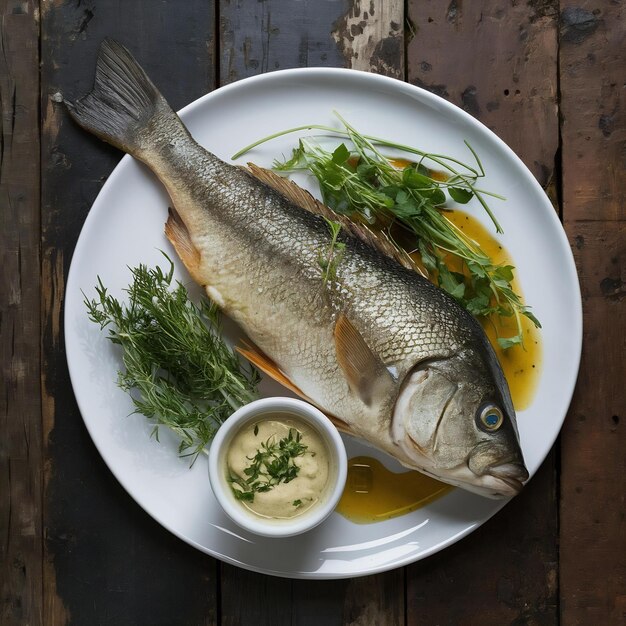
[310,73]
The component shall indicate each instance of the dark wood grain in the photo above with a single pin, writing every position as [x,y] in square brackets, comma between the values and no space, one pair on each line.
[270,35]
[498,62]
[269,601]
[273,35]
[371,37]
[107,561]
[378,599]
[506,572]
[74,547]
[20,404]
[593,465]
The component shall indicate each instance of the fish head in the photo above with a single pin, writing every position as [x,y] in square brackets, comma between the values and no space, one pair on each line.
[454,419]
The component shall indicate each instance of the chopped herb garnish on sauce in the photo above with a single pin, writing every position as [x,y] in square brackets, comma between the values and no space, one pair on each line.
[272,464]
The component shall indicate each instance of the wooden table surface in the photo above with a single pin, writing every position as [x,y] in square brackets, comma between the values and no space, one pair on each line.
[548,77]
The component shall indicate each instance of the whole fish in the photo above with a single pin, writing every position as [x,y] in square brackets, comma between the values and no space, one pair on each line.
[391,357]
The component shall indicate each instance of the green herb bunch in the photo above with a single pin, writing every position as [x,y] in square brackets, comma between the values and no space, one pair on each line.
[272,464]
[179,370]
[364,184]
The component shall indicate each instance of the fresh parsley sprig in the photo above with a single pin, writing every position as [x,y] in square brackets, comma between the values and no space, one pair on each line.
[179,370]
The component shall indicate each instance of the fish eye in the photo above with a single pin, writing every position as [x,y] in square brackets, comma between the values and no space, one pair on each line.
[490,418]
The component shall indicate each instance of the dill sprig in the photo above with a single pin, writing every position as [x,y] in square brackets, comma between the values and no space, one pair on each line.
[178,369]
[272,464]
[364,184]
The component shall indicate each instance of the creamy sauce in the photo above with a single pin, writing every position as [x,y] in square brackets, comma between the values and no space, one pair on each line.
[284,500]
[373,493]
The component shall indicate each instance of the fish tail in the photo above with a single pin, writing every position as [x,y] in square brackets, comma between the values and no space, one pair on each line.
[123,104]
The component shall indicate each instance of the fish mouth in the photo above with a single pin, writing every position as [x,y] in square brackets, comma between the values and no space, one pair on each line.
[503,480]
[511,477]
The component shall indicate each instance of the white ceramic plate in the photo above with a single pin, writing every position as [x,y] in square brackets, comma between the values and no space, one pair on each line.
[125,228]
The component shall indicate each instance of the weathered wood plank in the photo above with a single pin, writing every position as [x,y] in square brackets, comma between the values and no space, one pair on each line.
[371,37]
[378,599]
[103,552]
[592,103]
[497,61]
[506,572]
[593,484]
[268,35]
[249,598]
[278,34]
[20,407]
[593,463]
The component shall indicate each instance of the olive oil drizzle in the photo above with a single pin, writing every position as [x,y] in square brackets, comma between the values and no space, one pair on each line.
[522,363]
[374,493]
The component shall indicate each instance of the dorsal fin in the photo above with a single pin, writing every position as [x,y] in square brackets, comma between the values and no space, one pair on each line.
[377,240]
[261,361]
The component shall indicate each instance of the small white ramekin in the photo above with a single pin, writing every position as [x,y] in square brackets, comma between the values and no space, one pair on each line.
[223,491]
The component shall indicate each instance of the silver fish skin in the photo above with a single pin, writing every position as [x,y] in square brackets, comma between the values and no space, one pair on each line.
[391,357]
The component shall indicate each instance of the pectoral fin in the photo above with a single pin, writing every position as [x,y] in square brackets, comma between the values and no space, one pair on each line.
[367,375]
[261,361]
[177,233]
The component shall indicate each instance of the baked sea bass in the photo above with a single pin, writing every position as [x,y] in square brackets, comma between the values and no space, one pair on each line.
[387,355]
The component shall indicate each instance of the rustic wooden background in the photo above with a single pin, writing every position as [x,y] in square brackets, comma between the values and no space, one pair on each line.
[547,76]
